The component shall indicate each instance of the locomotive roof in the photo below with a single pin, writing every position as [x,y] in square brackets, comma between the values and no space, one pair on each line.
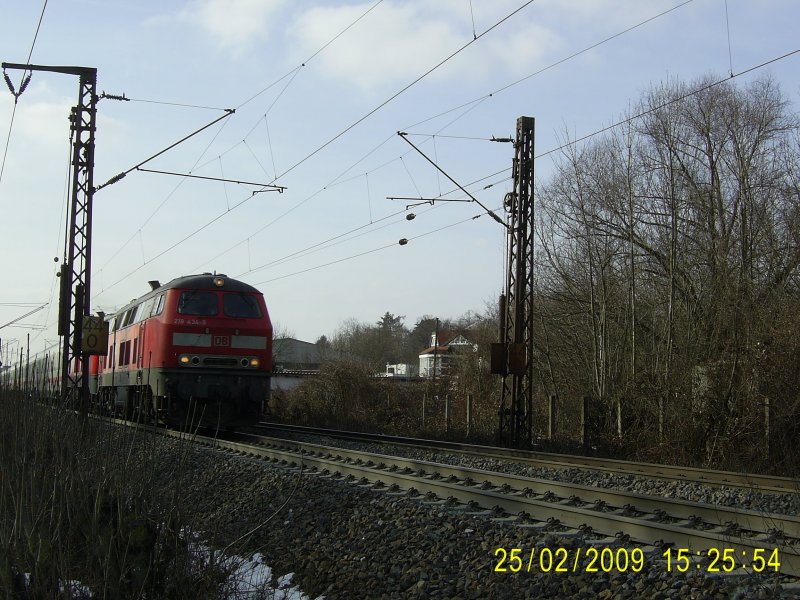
[194,282]
[206,280]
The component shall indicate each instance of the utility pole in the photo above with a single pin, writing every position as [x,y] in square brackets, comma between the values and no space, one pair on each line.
[513,357]
[435,348]
[76,269]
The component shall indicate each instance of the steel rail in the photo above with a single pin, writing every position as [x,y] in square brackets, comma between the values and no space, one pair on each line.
[678,509]
[647,529]
[711,477]
[596,525]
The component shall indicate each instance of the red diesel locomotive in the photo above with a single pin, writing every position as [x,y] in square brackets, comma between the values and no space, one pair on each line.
[195,350]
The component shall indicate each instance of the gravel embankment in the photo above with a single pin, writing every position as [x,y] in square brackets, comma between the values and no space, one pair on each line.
[346,541]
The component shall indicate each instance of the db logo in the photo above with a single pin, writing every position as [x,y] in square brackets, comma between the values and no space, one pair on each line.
[222,340]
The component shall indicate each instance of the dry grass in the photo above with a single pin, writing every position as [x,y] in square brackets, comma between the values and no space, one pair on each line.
[83,501]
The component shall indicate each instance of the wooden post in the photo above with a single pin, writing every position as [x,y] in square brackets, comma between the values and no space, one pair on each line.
[660,417]
[447,413]
[551,417]
[585,421]
[28,374]
[767,430]
[424,396]
[469,414]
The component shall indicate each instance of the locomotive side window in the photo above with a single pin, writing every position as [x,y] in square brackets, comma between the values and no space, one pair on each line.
[159,305]
[240,305]
[201,304]
[124,354]
[144,310]
[130,316]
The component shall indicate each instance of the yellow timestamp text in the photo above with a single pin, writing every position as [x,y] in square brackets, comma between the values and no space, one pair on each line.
[568,560]
[608,559]
[723,560]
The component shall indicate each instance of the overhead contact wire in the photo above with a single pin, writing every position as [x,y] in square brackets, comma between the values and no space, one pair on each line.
[370,113]
[472,104]
[310,58]
[404,89]
[553,150]
[366,252]
[292,74]
[324,245]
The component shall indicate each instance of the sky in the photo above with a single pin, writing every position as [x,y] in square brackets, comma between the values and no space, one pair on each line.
[320,91]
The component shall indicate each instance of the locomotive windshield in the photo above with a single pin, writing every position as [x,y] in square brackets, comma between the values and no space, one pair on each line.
[202,304]
[240,305]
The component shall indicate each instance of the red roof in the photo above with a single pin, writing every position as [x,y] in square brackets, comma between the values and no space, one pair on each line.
[439,350]
[445,337]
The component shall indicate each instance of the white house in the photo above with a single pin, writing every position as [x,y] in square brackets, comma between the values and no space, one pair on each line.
[437,359]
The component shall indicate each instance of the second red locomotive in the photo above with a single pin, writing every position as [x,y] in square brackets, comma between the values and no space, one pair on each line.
[195,350]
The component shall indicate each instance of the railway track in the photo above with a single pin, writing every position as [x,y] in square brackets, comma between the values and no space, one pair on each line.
[598,516]
[541,515]
[710,477]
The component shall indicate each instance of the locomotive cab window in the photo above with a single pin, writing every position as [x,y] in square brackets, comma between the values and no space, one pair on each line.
[201,304]
[240,305]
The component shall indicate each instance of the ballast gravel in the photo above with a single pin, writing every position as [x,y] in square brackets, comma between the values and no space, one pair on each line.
[343,540]
[786,504]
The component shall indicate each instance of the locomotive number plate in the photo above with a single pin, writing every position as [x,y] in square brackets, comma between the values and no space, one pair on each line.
[222,340]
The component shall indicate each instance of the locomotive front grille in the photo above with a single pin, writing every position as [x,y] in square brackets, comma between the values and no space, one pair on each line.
[200,361]
[220,361]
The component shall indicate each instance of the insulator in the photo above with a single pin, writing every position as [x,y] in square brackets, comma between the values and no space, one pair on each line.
[24,85]
[8,83]
[121,98]
[410,217]
[116,178]
[403,242]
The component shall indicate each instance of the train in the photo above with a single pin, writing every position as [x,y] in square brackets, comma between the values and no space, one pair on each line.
[195,350]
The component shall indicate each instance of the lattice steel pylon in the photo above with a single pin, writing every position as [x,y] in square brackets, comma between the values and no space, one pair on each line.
[516,405]
[76,268]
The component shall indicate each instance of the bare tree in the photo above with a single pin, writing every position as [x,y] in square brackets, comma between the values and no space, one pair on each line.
[664,249]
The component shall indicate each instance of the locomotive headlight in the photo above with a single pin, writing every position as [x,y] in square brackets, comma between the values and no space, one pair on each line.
[219,281]
[244,362]
[254,362]
[184,360]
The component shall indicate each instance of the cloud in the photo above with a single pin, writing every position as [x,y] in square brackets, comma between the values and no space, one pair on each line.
[609,12]
[41,120]
[233,24]
[399,41]
[394,42]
